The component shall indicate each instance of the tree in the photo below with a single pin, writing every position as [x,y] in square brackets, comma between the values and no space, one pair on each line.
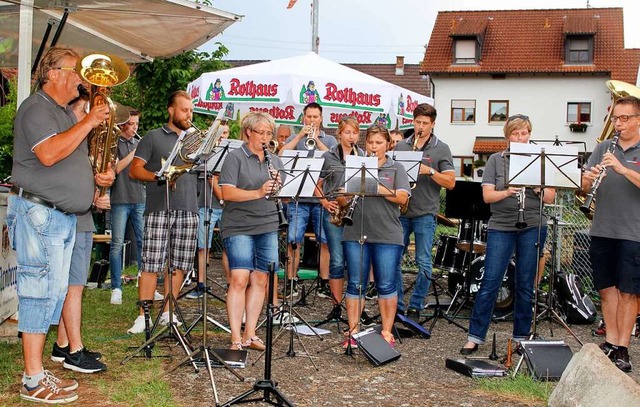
[7,115]
[150,84]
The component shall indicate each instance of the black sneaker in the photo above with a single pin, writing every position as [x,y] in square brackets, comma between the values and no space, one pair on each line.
[324,291]
[413,314]
[58,354]
[621,359]
[336,313]
[80,362]
[371,293]
[290,289]
[366,320]
[607,350]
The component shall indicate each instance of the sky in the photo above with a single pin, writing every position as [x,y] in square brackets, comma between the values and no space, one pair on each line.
[367,31]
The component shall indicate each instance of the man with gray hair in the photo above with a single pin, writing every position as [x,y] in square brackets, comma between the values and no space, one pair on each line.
[53,180]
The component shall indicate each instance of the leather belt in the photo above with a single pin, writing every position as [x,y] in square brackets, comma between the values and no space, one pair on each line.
[35,198]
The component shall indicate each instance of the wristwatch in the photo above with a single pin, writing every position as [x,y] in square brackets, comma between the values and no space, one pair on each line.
[432,171]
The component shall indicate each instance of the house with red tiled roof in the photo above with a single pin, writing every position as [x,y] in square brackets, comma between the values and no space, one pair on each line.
[551,65]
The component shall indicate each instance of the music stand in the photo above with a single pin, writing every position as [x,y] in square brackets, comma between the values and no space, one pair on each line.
[167,175]
[528,166]
[411,161]
[465,201]
[360,182]
[301,182]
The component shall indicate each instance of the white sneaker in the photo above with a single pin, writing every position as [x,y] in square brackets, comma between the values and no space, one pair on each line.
[116,296]
[138,326]
[285,318]
[164,319]
[157,296]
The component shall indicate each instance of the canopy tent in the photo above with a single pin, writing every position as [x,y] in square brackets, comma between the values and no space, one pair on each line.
[283,87]
[134,30]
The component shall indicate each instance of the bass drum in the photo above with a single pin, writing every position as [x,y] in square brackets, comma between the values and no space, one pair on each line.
[506,294]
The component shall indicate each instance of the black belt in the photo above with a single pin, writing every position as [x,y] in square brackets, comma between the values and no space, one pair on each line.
[34,198]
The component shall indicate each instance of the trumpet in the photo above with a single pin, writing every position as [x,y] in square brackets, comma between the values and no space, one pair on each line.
[272,146]
[310,142]
[588,201]
[273,173]
[520,223]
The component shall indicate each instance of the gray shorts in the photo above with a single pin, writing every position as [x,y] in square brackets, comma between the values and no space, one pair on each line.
[81,258]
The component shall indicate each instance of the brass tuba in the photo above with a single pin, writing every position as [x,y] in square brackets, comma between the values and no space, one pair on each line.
[102,72]
[618,90]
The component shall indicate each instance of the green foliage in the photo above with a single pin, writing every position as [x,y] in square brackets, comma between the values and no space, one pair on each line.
[522,387]
[7,115]
[151,84]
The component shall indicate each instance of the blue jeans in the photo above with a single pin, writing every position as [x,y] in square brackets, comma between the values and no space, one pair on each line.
[298,221]
[500,247]
[334,242]
[252,252]
[43,239]
[215,214]
[383,257]
[423,228]
[120,213]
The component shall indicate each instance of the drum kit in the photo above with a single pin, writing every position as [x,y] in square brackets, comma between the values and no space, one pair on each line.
[452,256]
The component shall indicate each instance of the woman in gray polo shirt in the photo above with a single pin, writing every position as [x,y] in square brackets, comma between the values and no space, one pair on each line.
[504,239]
[377,218]
[249,226]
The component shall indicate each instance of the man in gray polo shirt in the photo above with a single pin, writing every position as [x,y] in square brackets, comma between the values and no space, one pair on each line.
[127,203]
[52,180]
[308,209]
[436,171]
[182,210]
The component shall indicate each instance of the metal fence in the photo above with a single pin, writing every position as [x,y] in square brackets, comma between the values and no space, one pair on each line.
[572,249]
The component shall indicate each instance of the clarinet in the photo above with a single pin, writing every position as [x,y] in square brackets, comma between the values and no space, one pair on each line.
[282,219]
[521,224]
[586,206]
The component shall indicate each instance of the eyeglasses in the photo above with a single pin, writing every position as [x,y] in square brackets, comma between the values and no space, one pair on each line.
[67,68]
[623,117]
[263,132]
[518,116]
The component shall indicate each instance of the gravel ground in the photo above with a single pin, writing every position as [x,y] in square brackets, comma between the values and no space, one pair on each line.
[418,378]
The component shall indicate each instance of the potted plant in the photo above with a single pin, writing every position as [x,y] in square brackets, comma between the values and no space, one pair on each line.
[578,127]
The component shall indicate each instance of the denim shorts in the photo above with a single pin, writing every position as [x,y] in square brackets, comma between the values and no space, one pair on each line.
[615,263]
[384,259]
[43,239]
[252,252]
[216,215]
[81,258]
[299,219]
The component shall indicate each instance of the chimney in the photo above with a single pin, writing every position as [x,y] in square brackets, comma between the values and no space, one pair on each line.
[399,65]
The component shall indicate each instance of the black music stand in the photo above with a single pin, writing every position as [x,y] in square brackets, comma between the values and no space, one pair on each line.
[560,164]
[167,175]
[465,201]
[301,182]
[266,386]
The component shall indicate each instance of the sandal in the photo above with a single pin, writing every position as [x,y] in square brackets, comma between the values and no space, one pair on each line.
[236,346]
[388,336]
[254,343]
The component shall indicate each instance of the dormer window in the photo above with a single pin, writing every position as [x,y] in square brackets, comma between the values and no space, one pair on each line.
[465,51]
[579,49]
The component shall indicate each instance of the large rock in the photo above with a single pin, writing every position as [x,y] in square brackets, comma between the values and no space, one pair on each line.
[590,379]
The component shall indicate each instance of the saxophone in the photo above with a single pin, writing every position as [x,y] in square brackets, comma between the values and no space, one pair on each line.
[338,215]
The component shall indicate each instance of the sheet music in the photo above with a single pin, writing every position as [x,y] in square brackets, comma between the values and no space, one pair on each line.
[296,176]
[218,155]
[410,160]
[355,168]
[561,165]
[290,157]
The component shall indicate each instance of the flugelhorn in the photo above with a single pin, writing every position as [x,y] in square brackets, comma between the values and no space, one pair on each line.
[520,223]
[586,206]
[272,146]
[103,72]
[310,142]
[273,174]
